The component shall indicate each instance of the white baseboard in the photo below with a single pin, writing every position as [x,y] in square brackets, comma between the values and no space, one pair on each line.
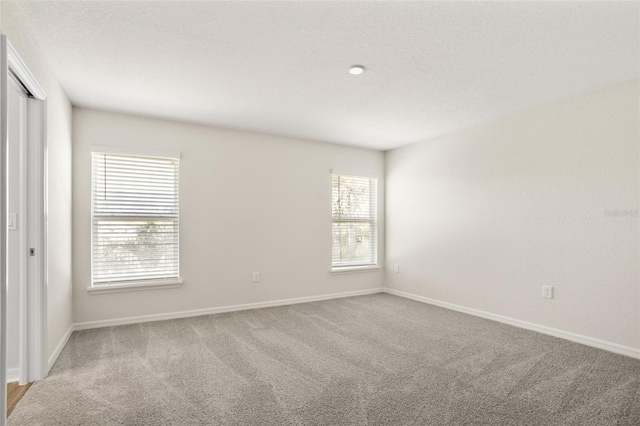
[13,374]
[209,311]
[578,338]
[56,353]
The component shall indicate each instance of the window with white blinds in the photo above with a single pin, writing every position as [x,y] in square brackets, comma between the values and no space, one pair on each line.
[134,218]
[354,215]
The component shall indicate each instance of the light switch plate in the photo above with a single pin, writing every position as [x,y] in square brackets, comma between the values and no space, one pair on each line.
[12,220]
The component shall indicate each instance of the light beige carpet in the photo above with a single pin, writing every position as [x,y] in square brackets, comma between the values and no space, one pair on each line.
[376,360]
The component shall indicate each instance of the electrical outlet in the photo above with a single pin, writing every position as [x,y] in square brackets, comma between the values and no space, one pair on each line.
[547,292]
[396,268]
[256,277]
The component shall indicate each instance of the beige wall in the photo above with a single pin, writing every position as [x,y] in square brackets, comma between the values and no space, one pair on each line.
[59,174]
[248,202]
[484,217]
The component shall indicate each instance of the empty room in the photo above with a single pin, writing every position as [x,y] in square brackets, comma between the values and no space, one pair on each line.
[320,213]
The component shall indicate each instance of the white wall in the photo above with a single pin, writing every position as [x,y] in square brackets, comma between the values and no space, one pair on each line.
[248,202]
[484,217]
[59,174]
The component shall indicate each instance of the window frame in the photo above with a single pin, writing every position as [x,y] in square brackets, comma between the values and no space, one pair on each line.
[376,208]
[133,284]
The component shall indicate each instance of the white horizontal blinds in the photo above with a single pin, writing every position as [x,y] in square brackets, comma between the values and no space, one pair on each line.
[135,218]
[354,216]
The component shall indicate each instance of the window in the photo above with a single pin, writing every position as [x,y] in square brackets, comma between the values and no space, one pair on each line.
[354,216]
[134,219]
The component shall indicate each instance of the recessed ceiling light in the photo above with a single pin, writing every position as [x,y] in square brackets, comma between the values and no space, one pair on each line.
[356,69]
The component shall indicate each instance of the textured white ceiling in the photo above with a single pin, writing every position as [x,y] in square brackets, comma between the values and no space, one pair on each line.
[282,67]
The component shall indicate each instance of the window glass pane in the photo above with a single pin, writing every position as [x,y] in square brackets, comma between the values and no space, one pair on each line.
[352,197]
[353,243]
[135,218]
[354,213]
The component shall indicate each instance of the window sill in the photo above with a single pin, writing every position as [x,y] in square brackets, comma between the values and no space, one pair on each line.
[352,269]
[135,286]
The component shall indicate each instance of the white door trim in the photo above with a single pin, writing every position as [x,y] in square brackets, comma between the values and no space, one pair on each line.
[20,70]
[4,139]
[33,365]
[33,360]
